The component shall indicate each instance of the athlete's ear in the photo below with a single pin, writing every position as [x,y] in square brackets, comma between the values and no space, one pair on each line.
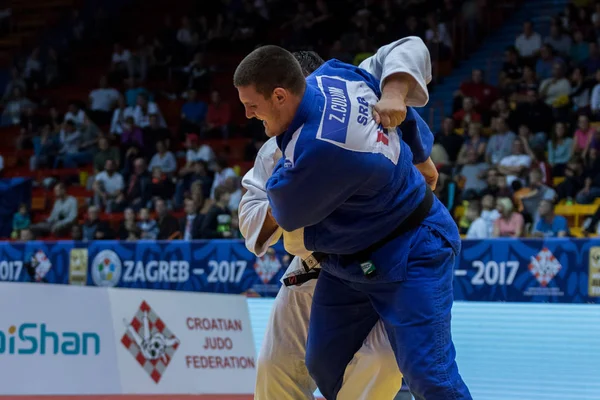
[280,95]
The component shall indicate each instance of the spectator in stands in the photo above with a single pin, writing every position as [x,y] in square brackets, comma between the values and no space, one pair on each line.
[76,233]
[191,224]
[527,83]
[196,172]
[473,173]
[449,139]
[583,135]
[132,137]
[102,101]
[185,34]
[217,215]
[550,224]
[559,41]
[21,220]
[105,152]
[496,184]
[338,52]
[33,70]
[89,139]
[222,172]
[489,214]
[129,221]
[193,113]
[574,180]
[197,75]
[581,91]
[556,90]
[164,160]
[108,188]
[133,91]
[94,228]
[120,115]
[139,192]
[155,133]
[534,112]
[512,70]
[27,236]
[16,81]
[437,38]
[501,143]
[579,49]
[533,143]
[15,107]
[364,51]
[45,148]
[120,67]
[64,213]
[592,62]
[560,149]
[529,197]
[510,223]
[218,116]
[70,143]
[528,43]
[147,226]
[140,58]
[467,113]
[477,228]
[56,68]
[161,186]
[516,164]
[591,187]
[161,59]
[546,61]
[234,186]
[29,128]
[144,109]
[75,114]
[197,152]
[167,224]
[483,93]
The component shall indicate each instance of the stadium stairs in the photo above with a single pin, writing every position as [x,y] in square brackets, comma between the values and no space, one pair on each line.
[489,56]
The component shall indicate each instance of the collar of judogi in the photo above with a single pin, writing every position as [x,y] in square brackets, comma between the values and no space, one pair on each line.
[307,103]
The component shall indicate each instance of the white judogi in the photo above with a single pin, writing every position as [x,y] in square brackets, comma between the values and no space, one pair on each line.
[373,373]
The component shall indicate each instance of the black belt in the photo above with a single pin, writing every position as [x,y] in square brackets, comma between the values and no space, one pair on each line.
[411,222]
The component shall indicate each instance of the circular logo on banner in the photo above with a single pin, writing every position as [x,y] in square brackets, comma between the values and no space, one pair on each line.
[106,269]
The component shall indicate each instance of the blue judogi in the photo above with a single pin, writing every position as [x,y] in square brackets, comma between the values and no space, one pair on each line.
[349,184]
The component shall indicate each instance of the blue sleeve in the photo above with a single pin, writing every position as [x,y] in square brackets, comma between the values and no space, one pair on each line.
[538,226]
[321,179]
[417,135]
[562,225]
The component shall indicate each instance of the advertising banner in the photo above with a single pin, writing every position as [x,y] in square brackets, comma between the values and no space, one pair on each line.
[56,340]
[183,343]
[530,270]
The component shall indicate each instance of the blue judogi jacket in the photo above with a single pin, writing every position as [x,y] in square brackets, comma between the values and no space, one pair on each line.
[345,180]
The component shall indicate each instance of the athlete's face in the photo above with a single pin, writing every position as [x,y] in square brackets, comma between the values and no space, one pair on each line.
[269,110]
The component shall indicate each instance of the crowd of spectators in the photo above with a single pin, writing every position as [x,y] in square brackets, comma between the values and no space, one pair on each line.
[502,147]
[148,168]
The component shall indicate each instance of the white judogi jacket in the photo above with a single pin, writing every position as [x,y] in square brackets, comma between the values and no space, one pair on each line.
[408,55]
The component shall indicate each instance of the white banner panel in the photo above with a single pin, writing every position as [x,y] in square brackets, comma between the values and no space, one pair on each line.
[56,339]
[174,342]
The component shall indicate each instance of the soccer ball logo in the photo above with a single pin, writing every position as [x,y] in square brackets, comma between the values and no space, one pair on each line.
[106,269]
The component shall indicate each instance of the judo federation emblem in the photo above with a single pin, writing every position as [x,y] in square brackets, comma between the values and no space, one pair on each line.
[150,342]
[544,266]
[39,266]
[267,266]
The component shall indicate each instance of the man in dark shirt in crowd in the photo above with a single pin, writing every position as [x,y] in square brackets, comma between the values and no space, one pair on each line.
[218,211]
[191,224]
[94,228]
[534,113]
[167,224]
[154,133]
[137,191]
[449,139]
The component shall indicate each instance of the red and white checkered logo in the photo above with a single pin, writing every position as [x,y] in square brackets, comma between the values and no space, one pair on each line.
[150,342]
[544,266]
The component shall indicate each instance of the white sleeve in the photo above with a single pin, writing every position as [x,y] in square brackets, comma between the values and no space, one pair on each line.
[255,204]
[408,55]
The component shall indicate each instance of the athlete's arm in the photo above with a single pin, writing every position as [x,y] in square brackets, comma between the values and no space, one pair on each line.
[256,222]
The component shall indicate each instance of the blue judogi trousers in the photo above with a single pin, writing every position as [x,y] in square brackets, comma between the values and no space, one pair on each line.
[416,313]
